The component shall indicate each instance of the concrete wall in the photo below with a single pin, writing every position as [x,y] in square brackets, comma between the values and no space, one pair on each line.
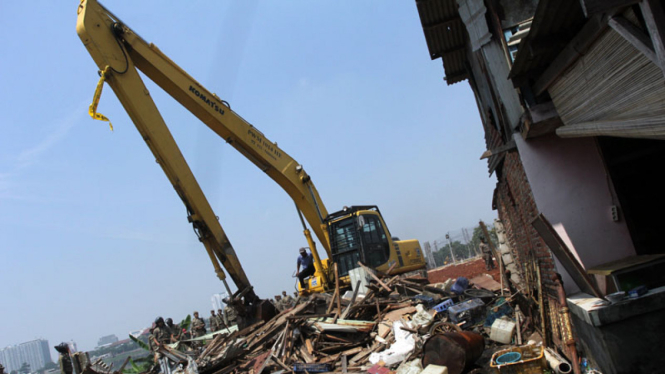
[571,188]
[630,346]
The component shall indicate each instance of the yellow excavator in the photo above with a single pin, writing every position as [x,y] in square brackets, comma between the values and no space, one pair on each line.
[356,234]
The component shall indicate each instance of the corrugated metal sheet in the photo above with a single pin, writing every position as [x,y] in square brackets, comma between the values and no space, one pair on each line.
[445,35]
[554,24]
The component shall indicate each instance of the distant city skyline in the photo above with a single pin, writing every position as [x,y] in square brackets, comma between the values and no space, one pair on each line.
[35,352]
[107,339]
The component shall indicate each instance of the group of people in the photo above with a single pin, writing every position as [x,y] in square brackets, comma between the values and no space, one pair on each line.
[284,301]
[166,332]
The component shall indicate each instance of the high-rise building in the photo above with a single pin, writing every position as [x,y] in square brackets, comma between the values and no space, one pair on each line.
[36,353]
[108,339]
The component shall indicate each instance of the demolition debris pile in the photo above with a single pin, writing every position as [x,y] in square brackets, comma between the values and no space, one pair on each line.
[402,325]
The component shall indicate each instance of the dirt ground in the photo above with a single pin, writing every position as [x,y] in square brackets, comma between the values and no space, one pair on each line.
[467,269]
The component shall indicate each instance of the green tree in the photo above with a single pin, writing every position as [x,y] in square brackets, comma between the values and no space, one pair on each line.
[461,252]
[25,368]
[50,365]
[478,232]
[141,365]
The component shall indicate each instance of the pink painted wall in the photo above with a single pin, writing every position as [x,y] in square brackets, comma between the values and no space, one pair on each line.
[571,188]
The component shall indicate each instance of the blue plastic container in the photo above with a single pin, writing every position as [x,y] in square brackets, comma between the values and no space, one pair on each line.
[508,358]
[442,307]
[471,311]
[427,301]
[301,367]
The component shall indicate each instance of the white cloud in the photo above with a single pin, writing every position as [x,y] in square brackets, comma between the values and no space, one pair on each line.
[32,155]
[10,188]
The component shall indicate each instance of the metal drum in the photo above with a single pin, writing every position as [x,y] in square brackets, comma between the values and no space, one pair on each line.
[455,350]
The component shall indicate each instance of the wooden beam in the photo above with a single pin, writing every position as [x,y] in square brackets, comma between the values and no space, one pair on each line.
[654,18]
[442,23]
[504,148]
[635,36]
[337,291]
[565,255]
[371,273]
[539,120]
[576,48]
[593,7]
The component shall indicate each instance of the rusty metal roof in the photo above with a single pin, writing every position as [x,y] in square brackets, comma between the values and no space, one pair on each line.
[445,35]
[554,24]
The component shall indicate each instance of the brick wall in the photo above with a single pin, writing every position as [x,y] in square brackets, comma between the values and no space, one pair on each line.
[517,208]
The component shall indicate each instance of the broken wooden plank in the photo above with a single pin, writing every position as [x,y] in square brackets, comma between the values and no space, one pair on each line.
[565,256]
[332,303]
[353,300]
[593,7]
[391,268]
[654,18]
[483,281]
[635,36]
[337,292]
[371,273]
[308,344]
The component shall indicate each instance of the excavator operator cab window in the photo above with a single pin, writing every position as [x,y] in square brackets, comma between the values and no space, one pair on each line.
[360,238]
[374,241]
[345,244]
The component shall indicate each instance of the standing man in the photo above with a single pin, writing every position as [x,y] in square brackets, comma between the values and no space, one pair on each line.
[176,331]
[487,253]
[288,301]
[65,360]
[230,313]
[214,322]
[198,326]
[307,262]
[161,334]
[277,302]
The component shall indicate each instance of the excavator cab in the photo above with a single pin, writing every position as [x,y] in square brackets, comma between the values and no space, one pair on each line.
[359,233]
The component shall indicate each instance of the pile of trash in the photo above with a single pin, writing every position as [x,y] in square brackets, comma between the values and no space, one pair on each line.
[401,325]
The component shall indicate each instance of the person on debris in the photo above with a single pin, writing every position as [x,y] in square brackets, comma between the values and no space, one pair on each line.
[150,337]
[288,301]
[230,313]
[161,335]
[220,319]
[277,302]
[214,322]
[176,331]
[198,326]
[65,360]
[307,262]
[487,253]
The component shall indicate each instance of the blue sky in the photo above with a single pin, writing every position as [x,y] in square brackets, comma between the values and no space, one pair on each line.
[94,240]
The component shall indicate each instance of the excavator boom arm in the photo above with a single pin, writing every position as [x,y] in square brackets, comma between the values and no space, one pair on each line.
[118,52]
[110,42]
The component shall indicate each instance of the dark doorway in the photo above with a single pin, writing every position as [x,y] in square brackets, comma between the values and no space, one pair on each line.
[636,167]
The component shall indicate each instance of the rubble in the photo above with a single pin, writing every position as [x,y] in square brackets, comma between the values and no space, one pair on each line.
[402,324]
